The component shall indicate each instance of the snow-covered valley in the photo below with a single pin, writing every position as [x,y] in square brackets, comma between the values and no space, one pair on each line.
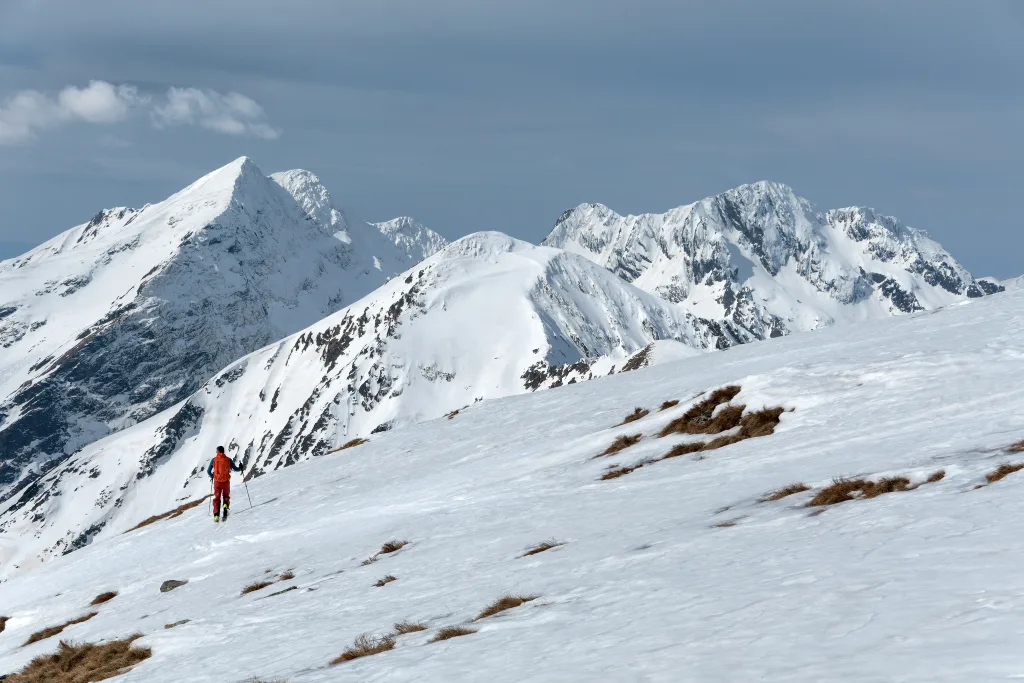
[674,571]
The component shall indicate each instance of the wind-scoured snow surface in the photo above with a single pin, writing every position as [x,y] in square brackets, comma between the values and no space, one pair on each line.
[117,319]
[921,585]
[763,262]
[486,317]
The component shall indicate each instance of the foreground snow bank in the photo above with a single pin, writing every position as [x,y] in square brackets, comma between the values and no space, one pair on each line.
[919,585]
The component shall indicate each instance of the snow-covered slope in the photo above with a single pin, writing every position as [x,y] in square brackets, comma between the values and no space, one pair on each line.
[764,262]
[673,572]
[487,316]
[128,314]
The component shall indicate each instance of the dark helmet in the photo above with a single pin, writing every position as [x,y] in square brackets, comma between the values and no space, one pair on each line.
[220,449]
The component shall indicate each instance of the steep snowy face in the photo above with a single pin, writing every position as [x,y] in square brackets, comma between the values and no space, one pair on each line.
[128,314]
[764,262]
[414,239]
[488,316]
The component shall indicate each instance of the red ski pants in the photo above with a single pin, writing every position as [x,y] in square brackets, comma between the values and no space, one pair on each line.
[221,489]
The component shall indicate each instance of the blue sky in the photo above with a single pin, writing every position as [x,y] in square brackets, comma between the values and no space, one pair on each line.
[474,115]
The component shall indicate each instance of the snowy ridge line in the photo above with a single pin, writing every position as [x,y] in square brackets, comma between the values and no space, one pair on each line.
[150,303]
[722,583]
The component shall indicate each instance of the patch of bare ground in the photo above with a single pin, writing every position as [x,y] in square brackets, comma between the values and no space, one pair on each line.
[364,646]
[503,603]
[1016,447]
[621,444]
[449,632]
[348,444]
[51,631]
[1004,470]
[83,663]
[403,627]
[637,414]
[385,581]
[751,425]
[104,597]
[387,548]
[541,547]
[785,491]
[3,623]
[176,624]
[727,523]
[171,514]
[842,490]
[256,586]
[668,404]
[701,417]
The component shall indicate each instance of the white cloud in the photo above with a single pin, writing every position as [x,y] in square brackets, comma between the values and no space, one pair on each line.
[30,111]
[231,113]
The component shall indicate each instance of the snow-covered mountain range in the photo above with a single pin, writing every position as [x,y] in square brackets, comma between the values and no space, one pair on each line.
[200,322]
[763,262]
[115,320]
[690,568]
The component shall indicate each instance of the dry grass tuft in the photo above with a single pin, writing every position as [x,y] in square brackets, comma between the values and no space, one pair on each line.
[1003,470]
[935,476]
[370,560]
[84,663]
[177,623]
[701,417]
[842,490]
[1016,447]
[54,630]
[104,597]
[403,627]
[684,449]
[3,623]
[668,404]
[364,646]
[546,545]
[503,603]
[451,415]
[385,581]
[622,443]
[637,414]
[451,632]
[253,587]
[349,444]
[176,512]
[619,472]
[287,576]
[726,524]
[779,494]
[392,547]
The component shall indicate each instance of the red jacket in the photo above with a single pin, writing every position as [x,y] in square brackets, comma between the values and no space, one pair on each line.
[220,468]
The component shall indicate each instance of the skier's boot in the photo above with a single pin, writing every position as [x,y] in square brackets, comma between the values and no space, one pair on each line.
[224,514]
[216,518]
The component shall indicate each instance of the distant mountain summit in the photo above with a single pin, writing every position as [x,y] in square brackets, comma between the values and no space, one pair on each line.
[762,262]
[123,316]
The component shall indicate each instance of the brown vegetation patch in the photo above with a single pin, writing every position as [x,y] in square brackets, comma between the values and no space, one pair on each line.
[1016,448]
[619,472]
[622,443]
[403,627]
[364,646]
[451,632]
[177,623]
[348,444]
[637,414]
[176,512]
[289,589]
[389,547]
[779,494]
[3,623]
[503,603]
[1003,470]
[668,404]
[546,545]
[287,576]
[842,490]
[701,417]
[385,581]
[935,476]
[104,597]
[726,524]
[253,587]
[84,663]
[54,630]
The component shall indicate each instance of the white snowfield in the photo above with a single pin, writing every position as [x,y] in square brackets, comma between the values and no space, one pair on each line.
[923,585]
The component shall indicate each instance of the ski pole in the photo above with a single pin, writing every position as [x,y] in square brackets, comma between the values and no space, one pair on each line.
[247,491]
